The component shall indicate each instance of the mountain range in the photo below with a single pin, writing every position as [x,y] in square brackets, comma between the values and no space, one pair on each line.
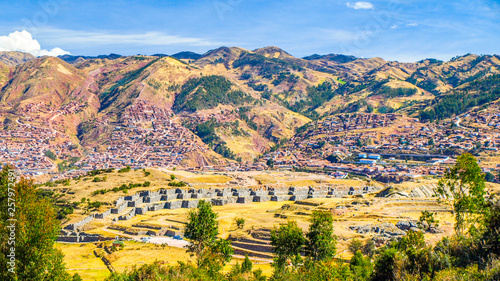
[230,103]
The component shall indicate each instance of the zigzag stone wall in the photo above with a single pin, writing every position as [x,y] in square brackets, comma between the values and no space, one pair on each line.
[145,201]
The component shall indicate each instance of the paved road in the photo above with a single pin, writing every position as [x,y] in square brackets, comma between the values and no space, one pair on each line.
[166,240]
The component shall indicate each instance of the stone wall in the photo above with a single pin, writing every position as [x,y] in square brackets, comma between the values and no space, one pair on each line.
[189,198]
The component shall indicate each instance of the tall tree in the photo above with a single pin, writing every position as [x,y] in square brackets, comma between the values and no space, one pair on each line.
[360,266]
[216,256]
[287,241]
[321,243]
[35,230]
[202,229]
[247,265]
[467,190]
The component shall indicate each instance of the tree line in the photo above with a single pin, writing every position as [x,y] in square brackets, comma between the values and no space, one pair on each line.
[208,92]
[477,93]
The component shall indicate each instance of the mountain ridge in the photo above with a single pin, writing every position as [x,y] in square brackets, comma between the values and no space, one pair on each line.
[228,104]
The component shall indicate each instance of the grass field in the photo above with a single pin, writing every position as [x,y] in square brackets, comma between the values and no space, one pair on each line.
[208,179]
[80,258]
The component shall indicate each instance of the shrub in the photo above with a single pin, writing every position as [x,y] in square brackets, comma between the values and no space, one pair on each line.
[124,170]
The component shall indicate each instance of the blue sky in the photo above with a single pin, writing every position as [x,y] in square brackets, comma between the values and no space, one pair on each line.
[406,30]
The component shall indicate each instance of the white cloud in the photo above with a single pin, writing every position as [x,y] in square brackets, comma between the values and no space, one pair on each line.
[412,24]
[360,5]
[22,41]
[395,26]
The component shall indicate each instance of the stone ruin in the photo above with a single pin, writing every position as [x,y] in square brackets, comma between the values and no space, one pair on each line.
[146,201]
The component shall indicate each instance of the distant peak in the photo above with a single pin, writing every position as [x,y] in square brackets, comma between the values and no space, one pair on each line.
[332,57]
[466,56]
[14,58]
[272,51]
[186,55]
[76,58]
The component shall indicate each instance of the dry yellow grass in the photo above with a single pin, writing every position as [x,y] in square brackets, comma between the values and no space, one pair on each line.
[264,179]
[242,146]
[208,179]
[136,254]
[300,183]
[84,187]
[79,258]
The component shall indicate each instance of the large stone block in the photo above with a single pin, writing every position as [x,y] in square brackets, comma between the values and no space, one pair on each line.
[263,198]
[298,197]
[280,198]
[190,204]
[141,210]
[132,197]
[173,205]
[219,201]
[245,199]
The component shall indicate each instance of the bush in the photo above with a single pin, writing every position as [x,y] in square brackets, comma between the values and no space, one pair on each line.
[50,154]
[97,179]
[124,170]
[240,222]
[98,172]
[177,184]
[247,265]
[355,245]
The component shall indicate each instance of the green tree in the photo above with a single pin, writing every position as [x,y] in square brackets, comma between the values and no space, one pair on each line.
[417,259]
[385,265]
[369,248]
[287,241]
[355,245]
[360,266]
[490,242]
[466,185]
[216,256]
[202,229]
[36,229]
[427,220]
[240,222]
[50,154]
[172,177]
[334,158]
[321,243]
[270,163]
[489,177]
[247,265]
